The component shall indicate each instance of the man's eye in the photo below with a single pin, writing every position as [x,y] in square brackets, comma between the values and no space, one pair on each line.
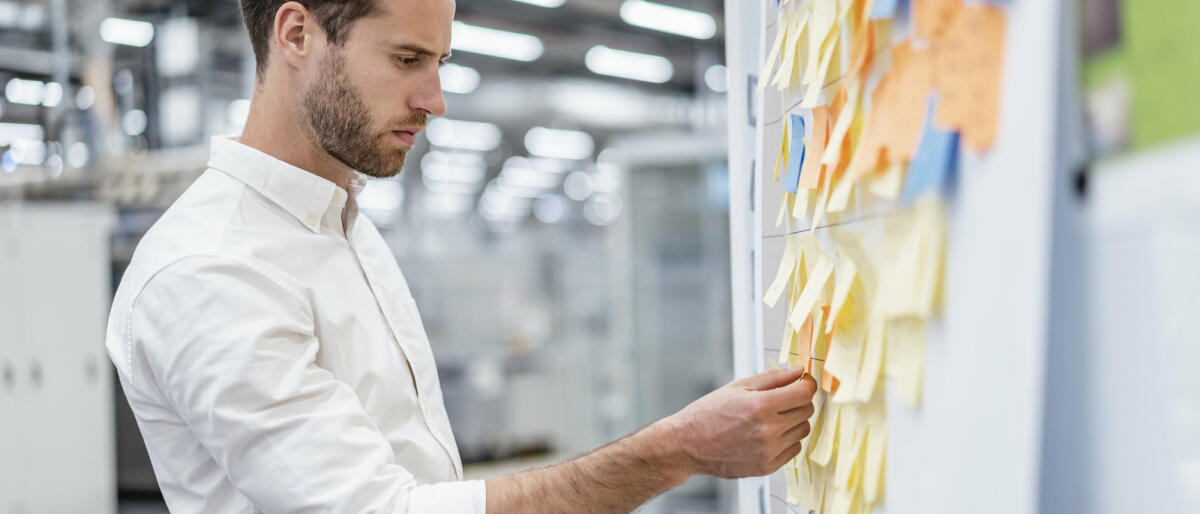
[408,61]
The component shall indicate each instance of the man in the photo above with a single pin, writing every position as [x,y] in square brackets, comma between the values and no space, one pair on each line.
[269,345]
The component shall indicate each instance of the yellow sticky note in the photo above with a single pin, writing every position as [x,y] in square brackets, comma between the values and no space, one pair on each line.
[773,56]
[816,423]
[813,93]
[800,207]
[872,359]
[783,208]
[905,357]
[823,20]
[849,457]
[873,464]
[787,265]
[844,502]
[889,184]
[789,68]
[843,360]
[787,347]
[841,127]
[847,271]
[782,156]
[813,290]
[827,444]
[793,487]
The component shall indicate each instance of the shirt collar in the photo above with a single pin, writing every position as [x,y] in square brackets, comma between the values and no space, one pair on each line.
[304,195]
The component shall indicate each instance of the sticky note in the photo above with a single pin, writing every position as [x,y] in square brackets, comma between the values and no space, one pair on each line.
[795,154]
[906,357]
[934,165]
[816,423]
[773,56]
[825,448]
[846,273]
[930,17]
[810,173]
[787,346]
[813,289]
[786,265]
[823,20]
[888,184]
[884,9]
[802,349]
[782,157]
[871,366]
[843,360]
[873,464]
[968,69]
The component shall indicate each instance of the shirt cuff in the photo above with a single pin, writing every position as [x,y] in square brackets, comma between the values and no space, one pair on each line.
[466,497]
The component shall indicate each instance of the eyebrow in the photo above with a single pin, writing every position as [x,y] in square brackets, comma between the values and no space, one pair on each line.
[419,50]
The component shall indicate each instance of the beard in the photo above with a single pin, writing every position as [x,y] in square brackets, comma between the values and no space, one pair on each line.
[343,127]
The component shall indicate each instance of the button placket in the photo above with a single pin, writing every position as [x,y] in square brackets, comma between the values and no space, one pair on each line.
[426,414]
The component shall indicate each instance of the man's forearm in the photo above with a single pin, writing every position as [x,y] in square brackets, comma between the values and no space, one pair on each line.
[615,478]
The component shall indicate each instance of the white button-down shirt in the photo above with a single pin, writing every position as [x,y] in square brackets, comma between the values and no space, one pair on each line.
[272,353]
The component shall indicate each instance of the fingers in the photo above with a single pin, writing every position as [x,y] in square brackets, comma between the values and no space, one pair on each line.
[793,395]
[783,457]
[797,432]
[793,417]
[771,379]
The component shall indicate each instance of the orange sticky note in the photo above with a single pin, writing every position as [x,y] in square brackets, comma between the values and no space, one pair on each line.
[804,343]
[930,17]
[810,174]
[864,49]
[829,382]
[968,69]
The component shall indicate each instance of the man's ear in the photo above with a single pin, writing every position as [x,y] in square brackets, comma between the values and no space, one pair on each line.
[295,33]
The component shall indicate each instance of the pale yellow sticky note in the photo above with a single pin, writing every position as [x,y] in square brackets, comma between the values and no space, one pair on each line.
[788,70]
[782,157]
[841,127]
[793,486]
[816,423]
[849,458]
[783,208]
[813,290]
[813,94]
[846,272]
[787,346]
[787,265]
[844,360]
[773,55]
[889,184]
[873,465]
[827,444]
[844,502]
[905,357]
[872,359]
[931,222]
[823,20]
[803,200]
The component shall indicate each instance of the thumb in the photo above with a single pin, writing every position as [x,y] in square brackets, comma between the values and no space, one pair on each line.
[772,379]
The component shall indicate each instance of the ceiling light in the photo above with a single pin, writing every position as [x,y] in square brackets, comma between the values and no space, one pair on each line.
[466,135]
[559,144]
[458,79]
[381,195]
[25,92]
[717,78]
[579,185]
[631,65]
[665,18]
[120,31]
[10,132]
[543,3]
[495,42]
[549,208]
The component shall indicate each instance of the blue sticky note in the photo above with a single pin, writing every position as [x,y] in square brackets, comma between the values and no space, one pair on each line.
[791,181]
[936,161]
[884,9]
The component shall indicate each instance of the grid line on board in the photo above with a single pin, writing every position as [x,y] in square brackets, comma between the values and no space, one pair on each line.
[867,217]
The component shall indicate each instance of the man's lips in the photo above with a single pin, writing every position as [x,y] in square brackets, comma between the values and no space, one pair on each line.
[407,135]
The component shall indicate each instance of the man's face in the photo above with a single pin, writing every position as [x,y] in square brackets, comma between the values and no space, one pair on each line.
[368,97]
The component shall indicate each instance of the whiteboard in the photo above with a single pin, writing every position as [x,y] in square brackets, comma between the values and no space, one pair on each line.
[975,443]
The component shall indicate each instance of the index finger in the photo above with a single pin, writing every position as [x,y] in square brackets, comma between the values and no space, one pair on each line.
[794,395]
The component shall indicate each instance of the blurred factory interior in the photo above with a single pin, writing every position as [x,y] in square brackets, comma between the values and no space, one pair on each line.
[564,227]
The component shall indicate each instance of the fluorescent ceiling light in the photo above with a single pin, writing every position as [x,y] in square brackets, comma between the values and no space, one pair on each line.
[119,31]
[458,79]
[631,65]
[543,3]
[684,22]
[495,42]
[559,144]
[10,132]
[717,78]
[33,92]
[381,195]
[459,167]
[466,135]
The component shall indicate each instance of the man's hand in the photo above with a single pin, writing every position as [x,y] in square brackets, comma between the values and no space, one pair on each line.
[750,427]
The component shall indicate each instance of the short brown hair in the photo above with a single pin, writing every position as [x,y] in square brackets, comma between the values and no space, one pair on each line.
[334,16]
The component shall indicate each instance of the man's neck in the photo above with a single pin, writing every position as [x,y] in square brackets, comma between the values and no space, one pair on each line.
[277,128]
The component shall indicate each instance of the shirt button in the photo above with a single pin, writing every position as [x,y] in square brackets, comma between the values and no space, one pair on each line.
[312,220]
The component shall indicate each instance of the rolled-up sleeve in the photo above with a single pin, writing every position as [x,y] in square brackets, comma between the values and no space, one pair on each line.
[234,350]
